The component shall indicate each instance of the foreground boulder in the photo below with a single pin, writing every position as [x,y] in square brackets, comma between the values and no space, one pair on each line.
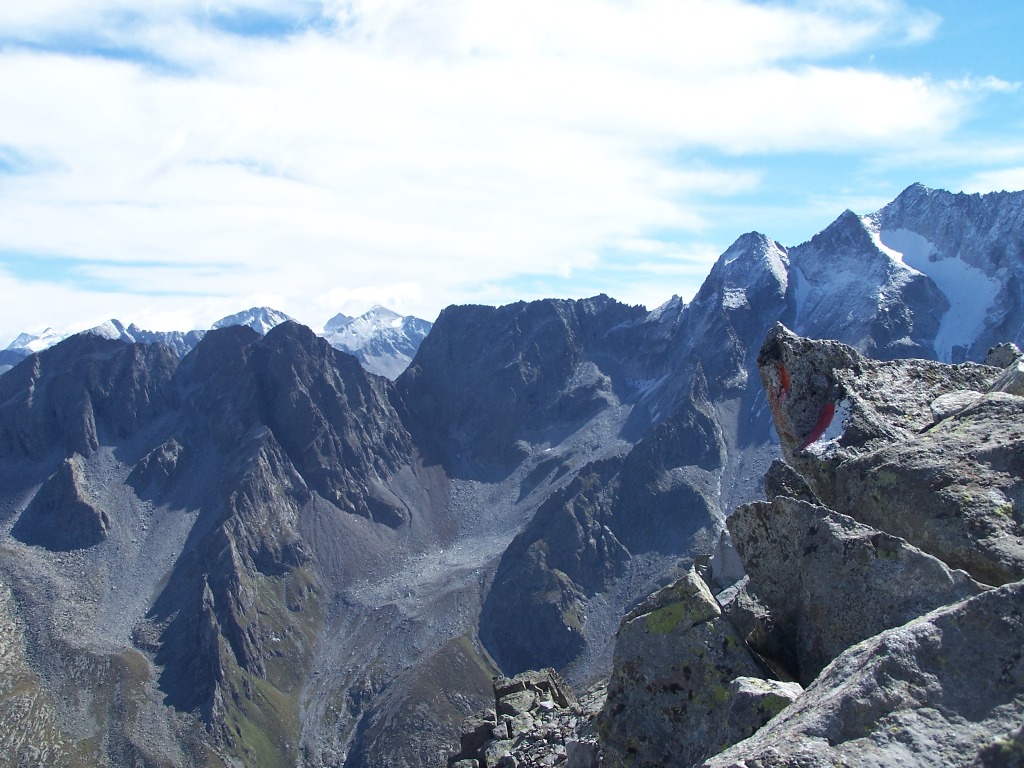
[537,721]
[672,698]
[919,449]
[946,689]
[831,582]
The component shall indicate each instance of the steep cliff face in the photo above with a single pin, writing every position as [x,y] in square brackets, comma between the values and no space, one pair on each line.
[658,500]
[84,390]
[301,434]
[487,378]
[971,247]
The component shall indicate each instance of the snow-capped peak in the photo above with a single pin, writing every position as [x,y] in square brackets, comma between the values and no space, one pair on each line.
[112,329]
[260,319]
[383,340]
[30,342]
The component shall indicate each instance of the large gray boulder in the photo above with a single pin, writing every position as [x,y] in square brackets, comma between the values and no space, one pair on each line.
[864,436]
[955,490]
[946,689]
[830,582]
[669,697]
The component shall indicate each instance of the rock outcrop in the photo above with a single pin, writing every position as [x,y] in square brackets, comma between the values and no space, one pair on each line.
[853,581]
[864,435]
[671,698]
[63,515]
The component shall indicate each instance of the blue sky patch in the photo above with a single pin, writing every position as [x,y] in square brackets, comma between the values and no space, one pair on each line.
[82,273]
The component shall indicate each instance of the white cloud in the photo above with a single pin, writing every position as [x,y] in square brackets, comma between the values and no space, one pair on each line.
[1000,180]
[419,153]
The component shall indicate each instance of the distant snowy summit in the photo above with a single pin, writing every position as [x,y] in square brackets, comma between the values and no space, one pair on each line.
[383,341]
[260,319]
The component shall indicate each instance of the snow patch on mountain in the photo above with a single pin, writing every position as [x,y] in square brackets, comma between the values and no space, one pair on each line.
[359,331]
[970,292]
[30,342]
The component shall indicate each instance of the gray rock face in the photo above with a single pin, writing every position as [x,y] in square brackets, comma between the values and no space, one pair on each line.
[863,435]
[977,239]
[1003,355]
[946,689]
[486,378]
[83,388]
[969,511]
[658,498]
[63,515]
[669,698]
[782,480]
[852,581]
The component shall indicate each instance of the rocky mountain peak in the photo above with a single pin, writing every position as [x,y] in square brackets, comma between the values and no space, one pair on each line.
[487,378]
[337,322]
[260,319]
[83,390]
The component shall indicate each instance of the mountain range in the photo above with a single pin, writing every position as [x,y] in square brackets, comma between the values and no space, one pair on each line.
[384,341]
[260,553]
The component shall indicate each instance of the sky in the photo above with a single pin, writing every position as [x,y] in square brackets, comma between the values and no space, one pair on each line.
[170,162]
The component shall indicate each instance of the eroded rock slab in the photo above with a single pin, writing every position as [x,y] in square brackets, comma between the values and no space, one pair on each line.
[63,515]
[955,490]
[946,689]
[831,582]
[669,698]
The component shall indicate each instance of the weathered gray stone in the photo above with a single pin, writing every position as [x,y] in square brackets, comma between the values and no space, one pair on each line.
[668,697]
[476,731]
[955,491]
[831,582]
[830,403]
[539,736]
[1003,355]
[743,605]
[946,689]
[946,405]
[863,435]
[581,754]
[754,701]
[725,566]
[495,751]
[782,480]
[1011,380]
[524,691]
